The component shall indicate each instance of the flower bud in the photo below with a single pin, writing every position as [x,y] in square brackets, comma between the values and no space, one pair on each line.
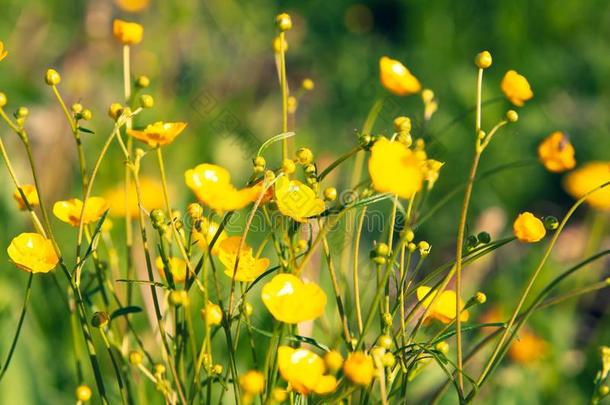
[387,319]
[146,101]
[115,110]
[288,166]
[385,341]
[259,161]
[411,247]
[366,141]
[283,22]
[142,82]
[330,193]
[402,124]
[310,169]
[483,60]
[194,211]
[424,248]
[333,361]
[52,78]
[159,369]
[157,216]
[388,360]
[83,393]
[292,104]
[86,114]
[603,390]
[135,357]
[248,309]
[77,108]
[408,234]
[22,112]
[442,347]
[100,319]
[551,223]
[512,116]
[302,245]
[217,369]
[305,156]
[484,237]
[308,84]
[480,297]
[3,100]
[177,298]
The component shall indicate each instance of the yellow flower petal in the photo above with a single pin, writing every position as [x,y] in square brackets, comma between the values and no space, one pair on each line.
[296,200]
[158,134]
[127,33]
[557,153]
[359,368]
[3,52]
[304,371]
[207,231]
[516,88]
[177,267]
[33,253]
[396,169]
[69,211]
[528,228]
[292,301]
[586,178]
[151,192]
[212,314]
[248,268]
[30,194]
[444,308]
[396,77]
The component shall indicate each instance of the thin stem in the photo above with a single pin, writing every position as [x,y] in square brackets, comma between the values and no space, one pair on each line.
[284,87]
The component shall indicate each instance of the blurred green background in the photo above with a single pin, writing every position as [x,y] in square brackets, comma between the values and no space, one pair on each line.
[212,65]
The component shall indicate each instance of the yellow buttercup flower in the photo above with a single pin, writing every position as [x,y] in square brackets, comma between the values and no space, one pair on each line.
[248,268]
[304,371]
[32,252]
[69,211]
[253,382]
[291,300]
[127,33]
[516,88]
[3,52]
[396,169]
[444,308]
[359,368]
[557,153]
[212,186]
[396,77]
[527,348]
[132,6]
[158,134]
[151,193]
[297,200]
[177,267]
[207,231]
[586,178]
[30,194]
[212,314]
[528,228]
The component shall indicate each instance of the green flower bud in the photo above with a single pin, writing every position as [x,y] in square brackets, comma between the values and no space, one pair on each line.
[100,319]
[551,223]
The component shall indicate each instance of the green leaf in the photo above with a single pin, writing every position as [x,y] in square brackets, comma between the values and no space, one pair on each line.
[86,130]
[273,139]
[125,311]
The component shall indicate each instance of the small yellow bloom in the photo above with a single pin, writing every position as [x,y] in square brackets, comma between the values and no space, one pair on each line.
[177,267]
[158,134]
[291,300]
[516,88]
[253,382]
[151,193]
[248,268]
[528,228]
[32,252]
[359,368]
[132,6]
[204,237]
[3,52]
[69,211]
[444,307]
[396,169]
[212,186]
[212,314]
[557,153]
[527,348]
[127,33]
[296,200]
[304,371]
[396,77]
[30,194]
[586,178]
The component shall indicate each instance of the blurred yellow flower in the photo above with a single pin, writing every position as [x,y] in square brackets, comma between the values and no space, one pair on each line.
[177,267]
[207,231]
[296,200]
[557,153]
[304,371]
[211,314]
[127,33]
[586,178]
[158,134]
[396,77]
[359,368]
[3,52]
[528,228]
[69,211]
[396,169]
[248,268]
[252,382]
[444,308]
[30,194]
[32,252]
[516,88]
[527,348]
[132,6]
[212,186]
[291,300]
[151,193]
